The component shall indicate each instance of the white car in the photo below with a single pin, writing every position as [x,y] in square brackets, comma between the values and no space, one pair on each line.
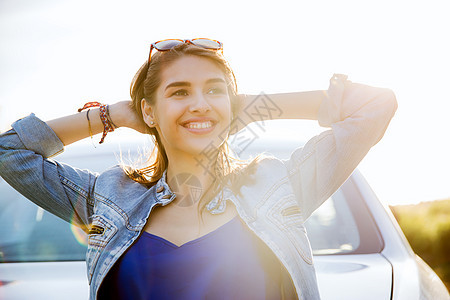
[359,250]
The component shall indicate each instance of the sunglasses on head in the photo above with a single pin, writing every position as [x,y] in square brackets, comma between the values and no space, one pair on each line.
[166,45]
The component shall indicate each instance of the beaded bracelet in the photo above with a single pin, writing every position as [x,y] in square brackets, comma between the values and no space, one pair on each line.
[104,117]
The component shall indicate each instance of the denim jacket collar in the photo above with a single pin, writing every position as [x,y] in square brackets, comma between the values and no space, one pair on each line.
[163,193]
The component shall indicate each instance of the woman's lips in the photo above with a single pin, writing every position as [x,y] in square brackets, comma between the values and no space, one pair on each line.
[199,127]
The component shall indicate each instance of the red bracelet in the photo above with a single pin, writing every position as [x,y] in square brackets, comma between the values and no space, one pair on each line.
[104,117]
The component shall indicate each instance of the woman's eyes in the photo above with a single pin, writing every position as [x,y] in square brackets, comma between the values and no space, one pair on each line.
[216,90]
[180,93]
[211,91]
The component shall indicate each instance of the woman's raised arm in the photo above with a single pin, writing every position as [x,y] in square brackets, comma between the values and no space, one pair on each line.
[72,128]
[358,116]
[59,188]
[297,105]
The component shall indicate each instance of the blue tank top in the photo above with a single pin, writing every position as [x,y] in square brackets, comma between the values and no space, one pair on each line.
[227,263]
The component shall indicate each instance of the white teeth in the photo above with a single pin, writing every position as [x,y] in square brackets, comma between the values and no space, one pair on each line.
[194,125]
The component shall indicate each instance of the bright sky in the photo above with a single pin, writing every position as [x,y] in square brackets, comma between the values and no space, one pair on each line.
[57,54]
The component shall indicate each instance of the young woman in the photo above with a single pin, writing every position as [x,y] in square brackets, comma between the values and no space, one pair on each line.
[197,223]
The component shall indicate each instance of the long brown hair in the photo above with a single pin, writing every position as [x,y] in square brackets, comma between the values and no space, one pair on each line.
[144,86]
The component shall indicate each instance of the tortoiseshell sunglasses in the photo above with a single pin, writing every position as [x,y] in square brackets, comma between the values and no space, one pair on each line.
[168,44]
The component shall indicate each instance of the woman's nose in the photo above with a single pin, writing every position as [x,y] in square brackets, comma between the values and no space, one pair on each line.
[200,103]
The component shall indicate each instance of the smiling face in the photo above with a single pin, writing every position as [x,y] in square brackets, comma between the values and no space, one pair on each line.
[192,111]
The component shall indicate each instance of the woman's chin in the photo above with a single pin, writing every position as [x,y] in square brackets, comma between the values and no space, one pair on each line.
[203,148]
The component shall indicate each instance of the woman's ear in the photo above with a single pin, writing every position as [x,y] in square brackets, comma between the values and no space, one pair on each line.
[148,113]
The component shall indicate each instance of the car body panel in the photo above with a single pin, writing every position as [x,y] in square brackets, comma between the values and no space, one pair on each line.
[44,280]
[353,277]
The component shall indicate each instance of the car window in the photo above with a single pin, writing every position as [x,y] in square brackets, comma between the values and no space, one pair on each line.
[332,228]
[28,233]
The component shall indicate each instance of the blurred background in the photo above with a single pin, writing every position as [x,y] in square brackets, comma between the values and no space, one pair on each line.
[55,55]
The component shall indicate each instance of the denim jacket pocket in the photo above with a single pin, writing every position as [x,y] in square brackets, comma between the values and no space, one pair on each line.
[297,235]
[101,231]
[286,215]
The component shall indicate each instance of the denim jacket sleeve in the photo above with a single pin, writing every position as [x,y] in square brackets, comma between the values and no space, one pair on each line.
[358,116]
[25,164]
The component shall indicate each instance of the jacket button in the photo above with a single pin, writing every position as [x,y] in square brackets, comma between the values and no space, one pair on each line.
[168,196]
[160,189]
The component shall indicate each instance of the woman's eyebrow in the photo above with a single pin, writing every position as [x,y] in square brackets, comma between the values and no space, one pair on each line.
[214,80]
[178,83]
[187,83]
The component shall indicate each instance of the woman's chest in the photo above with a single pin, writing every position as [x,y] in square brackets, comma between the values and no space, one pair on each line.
[180,225]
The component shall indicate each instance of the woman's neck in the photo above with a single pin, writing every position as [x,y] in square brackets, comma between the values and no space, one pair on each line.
[190,178]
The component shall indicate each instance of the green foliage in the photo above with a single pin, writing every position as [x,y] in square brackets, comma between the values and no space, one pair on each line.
[427,228]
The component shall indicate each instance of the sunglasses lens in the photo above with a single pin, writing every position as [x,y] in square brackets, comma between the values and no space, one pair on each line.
[207,43]
[167,44]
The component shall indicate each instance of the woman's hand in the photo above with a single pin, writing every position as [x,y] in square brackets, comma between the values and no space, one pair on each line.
[123,115]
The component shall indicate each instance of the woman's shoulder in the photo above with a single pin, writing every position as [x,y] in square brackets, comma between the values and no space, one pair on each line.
[116,176]
[114,185]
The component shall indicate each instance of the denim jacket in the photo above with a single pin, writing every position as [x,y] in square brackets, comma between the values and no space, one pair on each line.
[113,209]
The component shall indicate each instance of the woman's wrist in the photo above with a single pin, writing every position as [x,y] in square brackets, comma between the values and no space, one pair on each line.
[118,113]
[123,115]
